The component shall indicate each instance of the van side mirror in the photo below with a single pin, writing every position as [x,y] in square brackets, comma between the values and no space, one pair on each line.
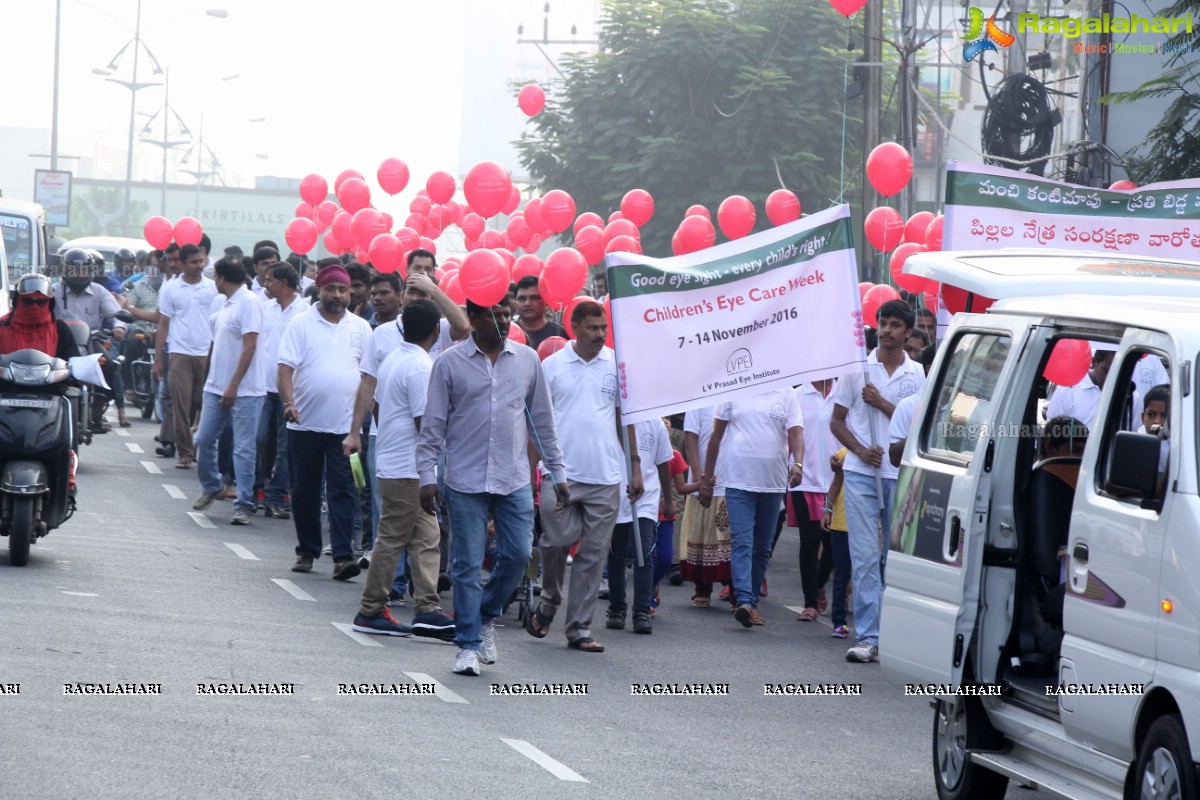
[1133,467]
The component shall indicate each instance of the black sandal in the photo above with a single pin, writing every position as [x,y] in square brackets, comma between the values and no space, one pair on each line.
[542,628]
[586,645]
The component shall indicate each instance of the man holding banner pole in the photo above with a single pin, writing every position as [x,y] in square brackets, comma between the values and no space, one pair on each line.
[863,406]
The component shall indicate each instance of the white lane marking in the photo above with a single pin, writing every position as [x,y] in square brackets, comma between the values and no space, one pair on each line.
[201,520]
[134,447]
[362,638]
[152,468]
[292,589]
[81,594]
[241,551]
[826,621]
[555,768]
[123,432]
[174,491]
[443,694]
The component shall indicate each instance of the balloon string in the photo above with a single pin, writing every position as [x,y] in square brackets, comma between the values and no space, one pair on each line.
[845,107]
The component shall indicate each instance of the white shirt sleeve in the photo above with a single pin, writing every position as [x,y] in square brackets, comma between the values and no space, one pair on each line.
[902,418]
[791,407]
[662,446]
[418,389]
[291,349]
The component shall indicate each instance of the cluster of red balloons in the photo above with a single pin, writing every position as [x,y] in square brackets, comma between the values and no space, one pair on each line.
[736,217]
[159,232]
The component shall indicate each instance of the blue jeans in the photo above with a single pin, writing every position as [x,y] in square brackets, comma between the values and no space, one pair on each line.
[399,582]
[664,551]
[622,551]
[213,419]
[752,518]
[864,515]
[277,488]
[513,518]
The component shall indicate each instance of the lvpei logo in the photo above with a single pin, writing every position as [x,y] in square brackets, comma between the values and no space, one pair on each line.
[981,36]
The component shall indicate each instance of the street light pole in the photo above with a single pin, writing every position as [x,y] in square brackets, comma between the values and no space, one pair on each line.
[133,90]
[54,96]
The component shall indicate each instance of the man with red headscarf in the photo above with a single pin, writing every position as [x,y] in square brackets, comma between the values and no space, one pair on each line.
[31,324]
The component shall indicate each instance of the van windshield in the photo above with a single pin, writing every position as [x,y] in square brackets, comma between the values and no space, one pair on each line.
[18,240]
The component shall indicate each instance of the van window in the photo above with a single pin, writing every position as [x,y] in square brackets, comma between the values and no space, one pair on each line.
[18,240]
[1142,405]
[962,402]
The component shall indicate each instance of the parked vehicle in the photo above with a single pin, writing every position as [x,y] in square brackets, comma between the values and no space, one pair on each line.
[23,227]
[1064,582]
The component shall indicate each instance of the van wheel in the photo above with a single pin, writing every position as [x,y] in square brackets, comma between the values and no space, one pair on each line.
[959,727]
[21,535]
[1165,770]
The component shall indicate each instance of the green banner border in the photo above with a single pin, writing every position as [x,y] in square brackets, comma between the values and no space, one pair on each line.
[963,186]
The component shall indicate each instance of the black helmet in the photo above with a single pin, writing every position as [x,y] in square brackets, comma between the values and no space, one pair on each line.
[125,262]
[77,268]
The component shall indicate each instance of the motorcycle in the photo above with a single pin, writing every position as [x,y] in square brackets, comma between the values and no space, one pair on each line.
[145,385]
[37,455]
[80,396]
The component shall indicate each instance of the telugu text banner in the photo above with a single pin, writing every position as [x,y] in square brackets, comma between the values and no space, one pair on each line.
[768,311]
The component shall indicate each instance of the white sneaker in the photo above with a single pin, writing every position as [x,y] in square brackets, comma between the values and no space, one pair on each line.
[327,550]
[467,663]
[570,559]
[863,653]
[487,645]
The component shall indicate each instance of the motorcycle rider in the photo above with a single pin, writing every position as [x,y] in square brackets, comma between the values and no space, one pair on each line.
[141,302]
[77,296]
[31,323]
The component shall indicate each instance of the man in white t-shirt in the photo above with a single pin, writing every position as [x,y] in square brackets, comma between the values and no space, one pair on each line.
[583,388]
[282,306]
[898,428]
[403,383]
[317,379]
[861,415]
[185,309]
[234,390]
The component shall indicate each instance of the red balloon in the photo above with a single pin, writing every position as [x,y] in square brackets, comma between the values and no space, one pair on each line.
[440,186]
[933,234]
[637,206]
[847,7]
[514,200]
[366,224]
[863,288]
[527,264]
[491,239]
[955,300]
[884,228]
[933,291]
[783,206]
[386,252]
[696,233]
[301,235]
[889,168]
[332,244]
[187,231]
[551,345]
[417,223]
[517,335]
[608,339]
[326,212]
[313,190]
[483,277]
[158,232]
[875,297]
[472,225]
[565,274]
[533,215]
[698,211]
[1122,186]
[917,226]
[304,210]
[614,216]
[569,311]
[518,230]
[341,228]
[623,244]
[589,240]
[909,283]
[453,290]
[452,210]
[361,255]
[736,216]
[420,205]
[487,187]
[620,227]
[585,219]
[558,210]
[531,99]
[344,176]
[507,257]
[392,175]
[677,244]
[428,244]
[535,244]
[1069,362]
[354,195]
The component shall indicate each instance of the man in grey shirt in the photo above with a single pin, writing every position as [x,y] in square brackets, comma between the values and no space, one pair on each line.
[487,400]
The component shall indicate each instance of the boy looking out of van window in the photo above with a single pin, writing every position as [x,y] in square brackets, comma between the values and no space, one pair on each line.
[1154,421]
[863,408]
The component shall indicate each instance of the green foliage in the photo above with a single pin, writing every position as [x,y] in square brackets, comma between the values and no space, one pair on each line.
[1171,150]
[696,100]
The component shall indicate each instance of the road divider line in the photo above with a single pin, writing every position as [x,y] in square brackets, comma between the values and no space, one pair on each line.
[152,468]
[241,551]
[122,432]
[174,491]
[201,520]
[555,768]
[442,693]
[826,621]
[362,638]
[134,447]
[81,594]
[292,589]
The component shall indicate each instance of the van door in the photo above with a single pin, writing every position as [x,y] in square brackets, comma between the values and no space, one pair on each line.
[942,504]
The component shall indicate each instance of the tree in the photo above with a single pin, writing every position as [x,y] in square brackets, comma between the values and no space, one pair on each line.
[696,100]
[1171,150]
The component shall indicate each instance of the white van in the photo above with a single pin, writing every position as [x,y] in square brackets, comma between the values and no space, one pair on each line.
[23,226]
[1069,584]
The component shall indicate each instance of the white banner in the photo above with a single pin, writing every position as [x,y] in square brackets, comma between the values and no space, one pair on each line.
[768,311]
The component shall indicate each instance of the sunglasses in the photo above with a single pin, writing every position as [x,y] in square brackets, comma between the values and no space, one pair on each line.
[34,301]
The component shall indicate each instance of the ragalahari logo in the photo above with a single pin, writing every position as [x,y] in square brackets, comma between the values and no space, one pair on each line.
[980,36]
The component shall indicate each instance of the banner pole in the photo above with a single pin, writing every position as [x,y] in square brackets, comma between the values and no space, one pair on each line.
[625,446]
